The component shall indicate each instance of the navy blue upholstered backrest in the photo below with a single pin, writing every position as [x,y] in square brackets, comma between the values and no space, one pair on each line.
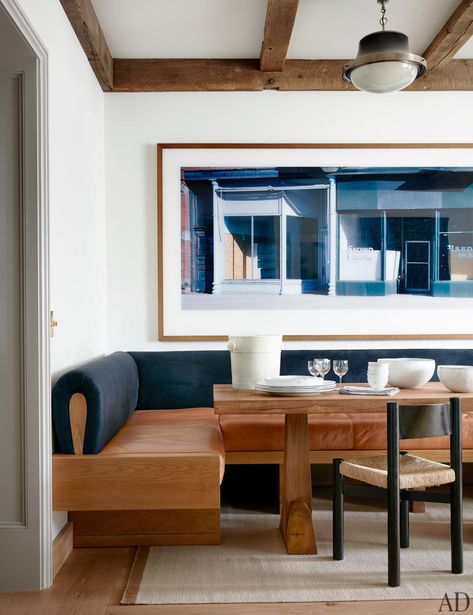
[116,385]
[180,379]
[184,379]
[110,386]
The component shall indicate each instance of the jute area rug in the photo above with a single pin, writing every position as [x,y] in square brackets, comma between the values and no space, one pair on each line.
[251,564]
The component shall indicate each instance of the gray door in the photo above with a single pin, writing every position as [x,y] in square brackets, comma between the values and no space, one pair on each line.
[25,508]
[11,445]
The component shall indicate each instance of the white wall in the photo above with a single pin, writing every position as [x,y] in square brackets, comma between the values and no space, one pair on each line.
[77,194]
[77,215]
[135,123]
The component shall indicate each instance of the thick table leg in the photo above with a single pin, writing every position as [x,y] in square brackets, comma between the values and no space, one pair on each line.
[296,488]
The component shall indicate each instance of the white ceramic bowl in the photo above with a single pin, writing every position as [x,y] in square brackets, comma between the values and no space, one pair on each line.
[407,373]
[377,382]
[457,378]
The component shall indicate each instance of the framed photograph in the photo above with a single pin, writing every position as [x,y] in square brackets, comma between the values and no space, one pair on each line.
[317,242]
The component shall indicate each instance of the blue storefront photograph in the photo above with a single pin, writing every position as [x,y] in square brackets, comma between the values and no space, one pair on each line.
[279,236]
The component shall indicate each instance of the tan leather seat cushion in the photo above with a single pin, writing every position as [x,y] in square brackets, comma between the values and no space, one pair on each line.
[258,432]
[370,434]
[194,430]
[334,431]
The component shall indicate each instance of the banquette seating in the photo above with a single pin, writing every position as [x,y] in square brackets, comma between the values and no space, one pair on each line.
[139,454]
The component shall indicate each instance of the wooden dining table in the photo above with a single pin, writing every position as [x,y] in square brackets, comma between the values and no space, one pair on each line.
[296,524]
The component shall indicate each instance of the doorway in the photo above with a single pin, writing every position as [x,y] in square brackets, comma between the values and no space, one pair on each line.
[417,266]
[411,233]
[25,432]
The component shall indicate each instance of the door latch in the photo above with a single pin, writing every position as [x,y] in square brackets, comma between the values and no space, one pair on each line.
[52,324]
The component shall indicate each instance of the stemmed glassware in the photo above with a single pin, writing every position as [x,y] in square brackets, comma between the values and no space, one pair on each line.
[319,367]
[340,367]
[322,366]
[312,367]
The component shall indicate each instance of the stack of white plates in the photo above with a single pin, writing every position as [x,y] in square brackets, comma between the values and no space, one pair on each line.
[295,385]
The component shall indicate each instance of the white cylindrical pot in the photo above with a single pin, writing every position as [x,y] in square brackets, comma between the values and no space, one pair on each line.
[254,358]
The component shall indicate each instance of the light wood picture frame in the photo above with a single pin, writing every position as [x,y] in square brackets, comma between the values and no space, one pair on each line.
[209,313]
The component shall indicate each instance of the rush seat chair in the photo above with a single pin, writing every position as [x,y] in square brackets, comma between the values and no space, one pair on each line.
[401,478]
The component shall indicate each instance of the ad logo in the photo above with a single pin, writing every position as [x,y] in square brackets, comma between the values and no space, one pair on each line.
[459,603]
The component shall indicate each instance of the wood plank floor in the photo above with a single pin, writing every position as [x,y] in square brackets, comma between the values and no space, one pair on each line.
[92,581]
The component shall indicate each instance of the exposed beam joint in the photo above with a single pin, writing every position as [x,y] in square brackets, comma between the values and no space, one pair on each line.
[84,21]
[244,75]
[280,17]
[454,34]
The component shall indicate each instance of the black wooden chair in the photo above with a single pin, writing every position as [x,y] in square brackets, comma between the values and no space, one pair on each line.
[401,478]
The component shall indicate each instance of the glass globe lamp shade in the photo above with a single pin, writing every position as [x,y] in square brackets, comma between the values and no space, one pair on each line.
[383,77]
[384,63]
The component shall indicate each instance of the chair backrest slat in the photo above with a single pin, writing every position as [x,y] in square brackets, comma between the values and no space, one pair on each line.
[424,421]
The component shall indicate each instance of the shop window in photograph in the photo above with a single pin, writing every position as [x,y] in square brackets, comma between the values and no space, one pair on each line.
[267,229]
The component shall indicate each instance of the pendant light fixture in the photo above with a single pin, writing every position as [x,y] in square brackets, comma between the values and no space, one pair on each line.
[384,62]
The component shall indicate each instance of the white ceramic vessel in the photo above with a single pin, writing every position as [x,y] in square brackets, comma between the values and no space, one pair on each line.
[457,378]
[253,358]
[378,381]
[377,365]
[377,375]
[382,368]
[407,373]
[294,381]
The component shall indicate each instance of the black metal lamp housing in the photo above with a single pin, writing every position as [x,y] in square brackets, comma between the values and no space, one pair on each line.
[384,63]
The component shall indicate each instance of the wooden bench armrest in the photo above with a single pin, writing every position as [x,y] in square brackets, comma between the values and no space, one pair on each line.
[78,420]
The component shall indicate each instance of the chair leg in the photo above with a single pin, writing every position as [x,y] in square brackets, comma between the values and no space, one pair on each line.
[394,544]
[456,527]
[404,524]
[338,521]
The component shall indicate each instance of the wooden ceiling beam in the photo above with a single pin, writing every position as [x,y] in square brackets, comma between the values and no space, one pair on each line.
[84,21]
[244,75]
[271,71]
[197,75]
[280,18]
[454,34]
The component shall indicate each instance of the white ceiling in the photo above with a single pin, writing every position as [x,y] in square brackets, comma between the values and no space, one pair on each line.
[182,28]
[234,28]
[466,52]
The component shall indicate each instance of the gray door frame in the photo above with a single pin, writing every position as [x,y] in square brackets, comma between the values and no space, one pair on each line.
[29,565]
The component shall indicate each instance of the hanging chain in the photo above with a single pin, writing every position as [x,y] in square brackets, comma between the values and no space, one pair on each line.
[383,21]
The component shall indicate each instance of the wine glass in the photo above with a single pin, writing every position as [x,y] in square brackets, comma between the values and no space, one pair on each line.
[311,366]
[340,367]
[322,366]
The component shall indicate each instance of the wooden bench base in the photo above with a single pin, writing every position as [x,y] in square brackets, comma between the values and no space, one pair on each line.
[88,482]
[145,527]
[126,500]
